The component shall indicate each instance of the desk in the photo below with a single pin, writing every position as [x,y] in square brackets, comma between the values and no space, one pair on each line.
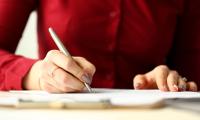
[165,113]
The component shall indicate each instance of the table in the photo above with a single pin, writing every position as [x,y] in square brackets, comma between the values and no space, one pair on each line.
[166,113]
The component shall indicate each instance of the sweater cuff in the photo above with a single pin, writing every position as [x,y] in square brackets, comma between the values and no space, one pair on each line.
[17,72]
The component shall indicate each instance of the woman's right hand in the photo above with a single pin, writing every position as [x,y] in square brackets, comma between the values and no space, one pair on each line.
[58,73]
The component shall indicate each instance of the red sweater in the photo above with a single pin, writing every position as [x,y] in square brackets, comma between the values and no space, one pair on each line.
[120,37]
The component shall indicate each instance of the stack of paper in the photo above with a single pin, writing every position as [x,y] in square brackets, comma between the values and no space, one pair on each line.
[101,98]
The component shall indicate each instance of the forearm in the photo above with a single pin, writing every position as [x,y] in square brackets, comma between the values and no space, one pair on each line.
[12,70]
[13,17]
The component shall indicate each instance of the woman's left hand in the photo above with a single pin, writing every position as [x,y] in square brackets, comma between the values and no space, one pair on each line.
[164,79]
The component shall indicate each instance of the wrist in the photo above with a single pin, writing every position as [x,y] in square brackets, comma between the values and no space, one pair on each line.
[31,79]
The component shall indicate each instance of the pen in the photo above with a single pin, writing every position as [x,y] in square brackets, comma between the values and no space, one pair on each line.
[63,49]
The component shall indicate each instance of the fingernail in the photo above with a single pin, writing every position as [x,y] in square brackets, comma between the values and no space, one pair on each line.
[138,85]
[86,79]
[175,87]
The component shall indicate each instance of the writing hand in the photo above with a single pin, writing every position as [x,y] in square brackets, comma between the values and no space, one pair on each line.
[58,73]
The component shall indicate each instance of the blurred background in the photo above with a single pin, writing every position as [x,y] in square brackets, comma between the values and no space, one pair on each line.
[28,43]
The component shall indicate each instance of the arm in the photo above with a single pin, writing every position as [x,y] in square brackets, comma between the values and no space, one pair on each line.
[185,54]
[13,18]
[56,73]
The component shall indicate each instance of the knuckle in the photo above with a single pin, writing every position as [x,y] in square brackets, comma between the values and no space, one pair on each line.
[174,72]
[81,58]
[44,64]
[79,73]
[137,77]
[91,68]
[162,68]
[52,53]
[69,63]
[45,67]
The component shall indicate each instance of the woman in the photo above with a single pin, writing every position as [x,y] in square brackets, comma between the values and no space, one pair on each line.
[137,44]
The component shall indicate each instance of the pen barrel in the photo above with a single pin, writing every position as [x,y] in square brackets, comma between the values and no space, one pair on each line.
[63,49]
[58,42]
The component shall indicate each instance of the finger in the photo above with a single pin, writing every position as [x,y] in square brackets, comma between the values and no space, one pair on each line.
[48,68]
[51,89]
[182,84]
[140,82]
[161,72]
[192,86]
[45,77]
[172,81]
[88,67]
[47,81]
[68,64]
[47,84]
[151,82]
[67,82]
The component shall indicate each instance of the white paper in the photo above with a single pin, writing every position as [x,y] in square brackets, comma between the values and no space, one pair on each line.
[116,96]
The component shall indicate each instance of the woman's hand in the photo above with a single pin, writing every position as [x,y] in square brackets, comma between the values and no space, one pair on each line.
[58,73]
[164,79]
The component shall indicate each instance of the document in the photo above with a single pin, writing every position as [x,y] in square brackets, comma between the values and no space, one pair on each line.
[101,98]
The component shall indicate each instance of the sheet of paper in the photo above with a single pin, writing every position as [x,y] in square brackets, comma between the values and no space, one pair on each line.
[123,97]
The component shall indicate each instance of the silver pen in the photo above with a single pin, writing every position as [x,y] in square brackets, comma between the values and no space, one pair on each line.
[63,49]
